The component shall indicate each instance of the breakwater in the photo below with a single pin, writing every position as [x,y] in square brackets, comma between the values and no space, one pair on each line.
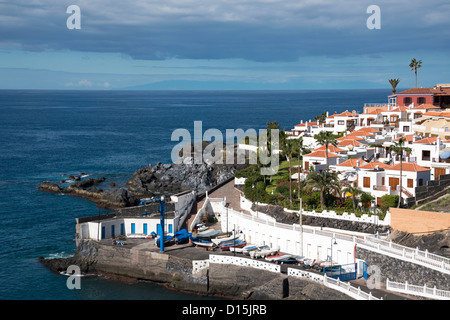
[175,269]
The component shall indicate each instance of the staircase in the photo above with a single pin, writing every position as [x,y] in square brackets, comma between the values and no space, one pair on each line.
[190,218]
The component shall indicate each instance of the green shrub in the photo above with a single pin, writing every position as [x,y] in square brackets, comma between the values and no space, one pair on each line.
[388,201]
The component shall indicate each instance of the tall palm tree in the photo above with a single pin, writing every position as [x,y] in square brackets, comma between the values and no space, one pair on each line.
[355,191]
[299,151]
[326,138]
[288,148]
[323,181]
[414,65]
[394,83]
[399,147]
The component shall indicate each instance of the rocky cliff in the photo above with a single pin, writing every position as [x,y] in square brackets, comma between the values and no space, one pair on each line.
[152,180]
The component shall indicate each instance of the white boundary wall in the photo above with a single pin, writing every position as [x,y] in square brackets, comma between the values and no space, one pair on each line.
[244,262]
[315,243]
[306,241]
[422,291]
[247,205]
[344,287]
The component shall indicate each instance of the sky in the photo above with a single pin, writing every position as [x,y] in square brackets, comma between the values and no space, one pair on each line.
[222,44]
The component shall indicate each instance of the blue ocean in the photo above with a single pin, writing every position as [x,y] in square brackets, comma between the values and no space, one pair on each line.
[50,135]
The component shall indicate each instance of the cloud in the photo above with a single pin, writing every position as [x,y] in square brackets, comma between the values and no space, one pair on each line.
[257,30]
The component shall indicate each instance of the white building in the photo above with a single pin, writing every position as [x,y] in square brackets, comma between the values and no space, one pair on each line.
[136,221]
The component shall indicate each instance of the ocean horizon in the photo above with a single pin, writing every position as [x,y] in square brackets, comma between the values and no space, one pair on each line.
[51,134]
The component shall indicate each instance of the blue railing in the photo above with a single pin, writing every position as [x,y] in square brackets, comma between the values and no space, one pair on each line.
[344,272]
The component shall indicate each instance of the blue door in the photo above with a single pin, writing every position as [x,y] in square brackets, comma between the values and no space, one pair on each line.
[158,229]
[122,229]
[145,228]
[133,228]
[365,275]
[170,228]
[103,232]
[113,233]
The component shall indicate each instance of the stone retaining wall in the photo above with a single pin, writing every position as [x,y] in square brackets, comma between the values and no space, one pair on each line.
[401,271]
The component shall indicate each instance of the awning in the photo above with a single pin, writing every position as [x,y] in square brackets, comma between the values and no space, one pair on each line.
[445,155]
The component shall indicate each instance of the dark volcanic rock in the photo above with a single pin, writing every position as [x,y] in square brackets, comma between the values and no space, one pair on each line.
[179,176]
[50,187]
[281,216]
[117,197]
[436,242]
[277,212]
[168,179]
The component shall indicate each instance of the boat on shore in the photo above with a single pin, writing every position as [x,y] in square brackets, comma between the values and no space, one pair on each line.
[201,243]
[136,236]
[218,241]
[278,257]
[168,240]
[263,252]
[181,236]
[226,246]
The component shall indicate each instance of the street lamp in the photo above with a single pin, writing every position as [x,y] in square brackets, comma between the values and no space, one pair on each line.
[331,258]
[256,189]
[226,206]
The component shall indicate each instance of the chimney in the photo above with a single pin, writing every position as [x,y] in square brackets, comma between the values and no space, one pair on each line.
[328,114]
[377,168]
[438,141]
[338,160]
[301,121]
[357,163]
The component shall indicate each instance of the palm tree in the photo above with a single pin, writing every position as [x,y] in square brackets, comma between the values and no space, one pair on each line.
[299,151]
[414,65]
[394,83]
[288,148]
[326,138]
[323,181]
[399,147]
[355,191]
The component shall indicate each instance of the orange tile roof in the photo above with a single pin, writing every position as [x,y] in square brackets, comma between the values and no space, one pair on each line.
[399,109]
[373,165]
[350,142]
[348,137]
[332,116]
[346,113]
[429,140]
[425,106]
[322,154]
[306,124]
[409,138]
[367,129]
[437,114]
[417,91]
[359,134]
[353,162]
[331,148]
[408,166]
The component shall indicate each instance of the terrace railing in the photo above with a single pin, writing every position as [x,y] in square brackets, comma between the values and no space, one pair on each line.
[422,291]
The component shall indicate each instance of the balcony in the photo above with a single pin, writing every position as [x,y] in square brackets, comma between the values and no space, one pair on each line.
[419,128]
[380,188]
[440,130]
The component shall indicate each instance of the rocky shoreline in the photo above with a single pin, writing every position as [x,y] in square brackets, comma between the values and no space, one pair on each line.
[152,180]
[174,270]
